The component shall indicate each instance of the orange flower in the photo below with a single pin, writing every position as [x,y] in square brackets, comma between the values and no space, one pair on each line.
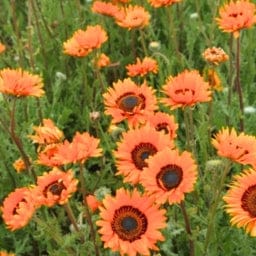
[134,149]
[239,148]
[102,61]
[235,16]
[164,122]
[55,187]
[169,176]
[213,79]
[4,253]
[130,223]
[161,3]
[2,47]
[80,149]
[84,41]
[126,100]
[240,201]
[186,89]
[47,133]
[19,165]
[92,202]
[20,83]
[18,208]
[132,17]
[215,55]
[142,68]
[105,8]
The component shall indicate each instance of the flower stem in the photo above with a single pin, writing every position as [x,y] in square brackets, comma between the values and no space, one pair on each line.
[189,128]
[188,228]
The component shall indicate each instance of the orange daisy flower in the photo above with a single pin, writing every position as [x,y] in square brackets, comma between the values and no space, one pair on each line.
[142,68]
[92,202]
[55,187]
[105,8]
[239,148]
[134,149]
[215,55]
[20,83]
[126,100]
[130,223]
[161,3]
[186,89]
[164,122]
[2,47]
[169,175]
[84,41]
[18,208]
[213,79]
[4,253]
[240,201]
[132,17]
[235,16]
[19,165]
[102,61]
[47,133]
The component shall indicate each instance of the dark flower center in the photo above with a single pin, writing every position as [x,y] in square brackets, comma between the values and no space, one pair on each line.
[141,152]
[249,201]
[162,127]
[185,91]
[129,101]
[129,223]
[169,177]
[55,188]
[15,209]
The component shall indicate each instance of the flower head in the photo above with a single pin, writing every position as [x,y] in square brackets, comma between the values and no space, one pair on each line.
[4,253]
[213,79]
[102,61]
[105,8]
[135,148]
[85,41]
[18,208]
[2,47]
[92,202]
[142,68]
[186,89]
[240,201]
[162,3]
[130,223]
[215,55]
[20,83]
[127,100]
[235,16]
[19,165]
[240,148]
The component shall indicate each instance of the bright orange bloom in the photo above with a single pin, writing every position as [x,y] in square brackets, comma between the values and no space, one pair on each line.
[19,165]
[235,16]
[4,253]
[20,83]
[215,55]
[213,79]
[105,8]
[2,47]
[164,122]
[92,202]
[169,175]
[142,68]
[84,41]
[80,149]
[132,17]
[240,201]
[186,89]
[135,148]
[121,1]
[126,100]
[102,61]
[239,148]
[55,187]
[18,208]
[162,3]
[47,133]
[130,223]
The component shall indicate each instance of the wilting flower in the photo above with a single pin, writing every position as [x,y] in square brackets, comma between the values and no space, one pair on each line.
[19,165]
[84,41]
[92,202]
[186,89]
[47,133]
[132,17]
[215,55]
[55,187]
[142,68]
[162,3]
[20,83]
[130,223]
[127,100]
[213,79]
[169,175]
[135,148]
[235,16]
[102,61]
[105,8]
[164,122]
[18,208]
[2,47]
[240,148]
[240,201]
[4,253]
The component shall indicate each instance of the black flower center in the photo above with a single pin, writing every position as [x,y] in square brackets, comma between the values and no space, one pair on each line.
[141,152]
[15,209]
[184,91]
[129,101]
[162,127]
[55,188]
[129,223]
[169,177]
[249,201]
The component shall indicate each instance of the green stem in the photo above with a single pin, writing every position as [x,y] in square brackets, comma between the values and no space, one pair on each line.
[143,42]
[189,128]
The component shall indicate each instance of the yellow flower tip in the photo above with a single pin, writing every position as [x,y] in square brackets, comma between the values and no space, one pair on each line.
[19,165]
